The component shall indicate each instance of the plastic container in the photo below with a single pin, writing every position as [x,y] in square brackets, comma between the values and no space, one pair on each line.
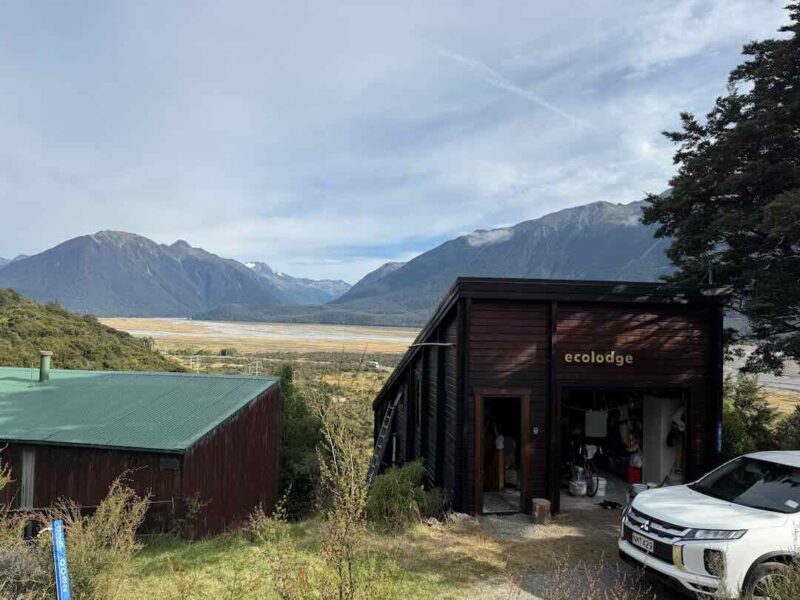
[633,475]
[638,488]
[577,487]
[601,487]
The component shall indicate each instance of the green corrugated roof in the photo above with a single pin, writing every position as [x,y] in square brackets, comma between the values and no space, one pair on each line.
[144,411]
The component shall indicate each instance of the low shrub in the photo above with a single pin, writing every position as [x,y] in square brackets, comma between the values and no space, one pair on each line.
[100,546]
[398,497]
[23,573]
[184,524]
[288,573]
[576,580]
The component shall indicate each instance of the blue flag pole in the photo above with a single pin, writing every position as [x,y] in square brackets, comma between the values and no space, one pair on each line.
[60,560]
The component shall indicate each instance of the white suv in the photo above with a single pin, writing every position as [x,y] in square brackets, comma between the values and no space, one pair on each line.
[732,533]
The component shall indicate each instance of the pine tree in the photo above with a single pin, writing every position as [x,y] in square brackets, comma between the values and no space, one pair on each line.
[734,208]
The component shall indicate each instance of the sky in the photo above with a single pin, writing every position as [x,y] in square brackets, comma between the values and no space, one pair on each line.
[326,138]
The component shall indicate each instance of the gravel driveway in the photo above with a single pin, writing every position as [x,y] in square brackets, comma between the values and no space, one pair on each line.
[577,551]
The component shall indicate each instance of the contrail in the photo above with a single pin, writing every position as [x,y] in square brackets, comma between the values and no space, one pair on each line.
[496,79]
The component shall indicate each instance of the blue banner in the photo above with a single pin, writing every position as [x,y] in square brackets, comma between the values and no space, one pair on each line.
[60,560]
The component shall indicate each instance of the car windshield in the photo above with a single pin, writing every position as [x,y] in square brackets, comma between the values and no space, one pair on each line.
[755,483]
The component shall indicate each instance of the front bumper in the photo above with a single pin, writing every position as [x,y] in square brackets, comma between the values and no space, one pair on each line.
[689,583]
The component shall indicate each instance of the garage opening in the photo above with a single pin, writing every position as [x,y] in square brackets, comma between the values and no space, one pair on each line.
[615,441]
[502,455]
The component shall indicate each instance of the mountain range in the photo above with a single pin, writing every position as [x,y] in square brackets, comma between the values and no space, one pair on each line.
[114,273]
[300,290]
[600,240]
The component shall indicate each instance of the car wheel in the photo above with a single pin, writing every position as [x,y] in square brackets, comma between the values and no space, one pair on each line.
[766,580]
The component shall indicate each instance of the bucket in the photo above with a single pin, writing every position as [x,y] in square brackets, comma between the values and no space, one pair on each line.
[633,475]
[577,487]
[601,487]
[638,488]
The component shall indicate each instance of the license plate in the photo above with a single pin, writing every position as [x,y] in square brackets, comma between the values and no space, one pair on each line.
[644,543]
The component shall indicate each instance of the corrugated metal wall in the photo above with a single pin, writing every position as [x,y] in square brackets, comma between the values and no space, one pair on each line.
[235,467]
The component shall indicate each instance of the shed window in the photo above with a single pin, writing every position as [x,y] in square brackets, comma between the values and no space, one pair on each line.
[168,464]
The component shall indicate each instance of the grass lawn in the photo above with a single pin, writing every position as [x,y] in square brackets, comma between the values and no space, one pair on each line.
[487,558]
[438,561]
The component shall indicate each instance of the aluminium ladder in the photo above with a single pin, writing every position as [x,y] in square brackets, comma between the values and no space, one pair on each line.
[383,436]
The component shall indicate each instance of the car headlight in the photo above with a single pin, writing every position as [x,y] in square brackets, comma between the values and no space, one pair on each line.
[715,534]
[625,512]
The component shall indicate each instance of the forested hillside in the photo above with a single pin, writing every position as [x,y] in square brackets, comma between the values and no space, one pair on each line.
[77,342]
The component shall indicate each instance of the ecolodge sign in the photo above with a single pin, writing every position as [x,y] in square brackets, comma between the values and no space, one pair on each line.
[612,357]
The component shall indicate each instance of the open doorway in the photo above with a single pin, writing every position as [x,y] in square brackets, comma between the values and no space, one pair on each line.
[501,455]
[613,439]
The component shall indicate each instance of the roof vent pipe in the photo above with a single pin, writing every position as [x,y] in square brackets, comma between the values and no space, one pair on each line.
[44,365]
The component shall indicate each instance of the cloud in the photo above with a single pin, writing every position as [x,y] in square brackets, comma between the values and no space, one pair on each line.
[326,138]
[496,79]
[480,238]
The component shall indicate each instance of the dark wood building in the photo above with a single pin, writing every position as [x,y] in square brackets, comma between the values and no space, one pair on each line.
[176,436]
[631,367]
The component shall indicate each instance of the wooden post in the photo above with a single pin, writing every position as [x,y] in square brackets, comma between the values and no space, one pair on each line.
[540,509]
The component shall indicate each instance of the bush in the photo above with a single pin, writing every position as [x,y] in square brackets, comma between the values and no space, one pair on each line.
[736,438]
[288,573]
[184,524]
[298,474]
[748,419]
[788,430]
[23,573]
[398,497]
[100,546]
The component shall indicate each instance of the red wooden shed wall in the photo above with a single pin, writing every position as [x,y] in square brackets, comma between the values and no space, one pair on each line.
[85,474]
[235,467]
